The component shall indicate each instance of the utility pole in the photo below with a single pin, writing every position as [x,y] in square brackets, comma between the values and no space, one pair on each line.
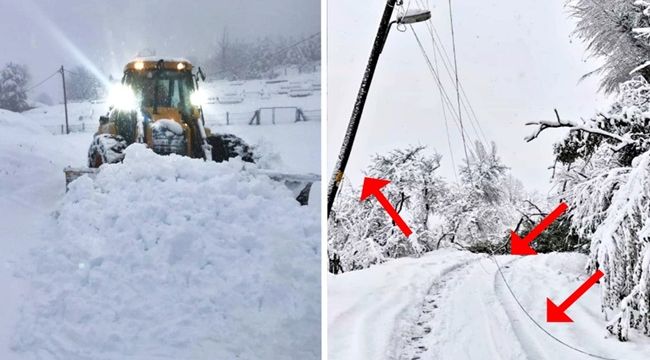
[65,101]
[353,125]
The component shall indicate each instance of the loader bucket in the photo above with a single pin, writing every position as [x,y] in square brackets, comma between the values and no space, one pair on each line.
[71,174]
[299,184]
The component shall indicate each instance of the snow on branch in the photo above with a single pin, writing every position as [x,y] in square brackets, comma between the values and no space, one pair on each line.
[640,67]
[574,125]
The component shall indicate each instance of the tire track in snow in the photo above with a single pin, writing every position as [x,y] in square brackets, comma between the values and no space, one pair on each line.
[462,318]
[414,343]
[518,321]
[392,310]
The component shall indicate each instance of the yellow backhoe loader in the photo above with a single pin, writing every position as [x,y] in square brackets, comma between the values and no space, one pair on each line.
[158,103]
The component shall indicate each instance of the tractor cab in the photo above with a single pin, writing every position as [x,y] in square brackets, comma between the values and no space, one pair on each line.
[162,84]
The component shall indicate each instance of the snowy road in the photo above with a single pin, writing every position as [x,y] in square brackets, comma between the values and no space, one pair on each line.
[455,305]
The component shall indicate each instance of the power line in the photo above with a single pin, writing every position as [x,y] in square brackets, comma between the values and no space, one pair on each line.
[467,105]
[436,76]
[444,116]
[460,115]
[79,74]
[44,80]
[530,317]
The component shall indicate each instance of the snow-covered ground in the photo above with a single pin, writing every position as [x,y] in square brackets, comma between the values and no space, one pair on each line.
[159,257]
[455,305]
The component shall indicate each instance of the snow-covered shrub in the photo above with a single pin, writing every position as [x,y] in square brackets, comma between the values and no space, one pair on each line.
[13,82]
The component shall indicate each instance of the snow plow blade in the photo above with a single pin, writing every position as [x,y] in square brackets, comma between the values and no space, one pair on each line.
[71,174]
[299,184]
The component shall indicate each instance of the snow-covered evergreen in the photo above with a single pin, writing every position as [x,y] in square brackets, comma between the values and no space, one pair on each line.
[13,87]
[615,31]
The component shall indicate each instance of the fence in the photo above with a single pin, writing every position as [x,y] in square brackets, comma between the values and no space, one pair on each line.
[265,116]
[282,114]
[261,116]
[74,128]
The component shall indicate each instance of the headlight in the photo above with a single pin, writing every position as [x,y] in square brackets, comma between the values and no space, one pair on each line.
[122,97]
[198,98]
[139,65]
[180,66]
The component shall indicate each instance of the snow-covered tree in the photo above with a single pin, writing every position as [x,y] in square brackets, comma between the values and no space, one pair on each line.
[81,84]
[612,30]
[606,181]
[362,233]
[261,58]
[483,206]
[478,210]
[13,87]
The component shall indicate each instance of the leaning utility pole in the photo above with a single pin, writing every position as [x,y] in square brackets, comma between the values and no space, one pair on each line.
[65,101]
[346,148]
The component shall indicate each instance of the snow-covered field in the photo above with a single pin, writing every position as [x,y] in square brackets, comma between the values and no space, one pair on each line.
[159,257]
[455,305]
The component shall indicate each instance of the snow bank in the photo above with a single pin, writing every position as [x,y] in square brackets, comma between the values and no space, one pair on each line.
[31,183]
[171,257]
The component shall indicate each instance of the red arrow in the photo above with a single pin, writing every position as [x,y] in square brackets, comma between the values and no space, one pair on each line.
[556,313]
[519,246]
[373,186]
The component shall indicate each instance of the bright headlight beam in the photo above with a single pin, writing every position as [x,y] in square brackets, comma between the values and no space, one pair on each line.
[42,20]
[122,97]
[198,98]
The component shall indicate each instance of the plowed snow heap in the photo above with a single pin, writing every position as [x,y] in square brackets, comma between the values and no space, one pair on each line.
[152,259]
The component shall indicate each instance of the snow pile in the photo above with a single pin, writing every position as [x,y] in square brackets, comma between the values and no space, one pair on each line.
[171,257]
[168,125]
[29,170]
[11,121]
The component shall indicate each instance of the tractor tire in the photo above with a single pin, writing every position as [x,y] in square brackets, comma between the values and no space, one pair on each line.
[106,149]
[228,146]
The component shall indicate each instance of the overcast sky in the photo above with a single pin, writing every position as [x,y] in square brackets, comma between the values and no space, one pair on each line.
[517,62]
[44,34]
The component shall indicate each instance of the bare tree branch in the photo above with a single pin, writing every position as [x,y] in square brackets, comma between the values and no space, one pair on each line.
[574,125]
